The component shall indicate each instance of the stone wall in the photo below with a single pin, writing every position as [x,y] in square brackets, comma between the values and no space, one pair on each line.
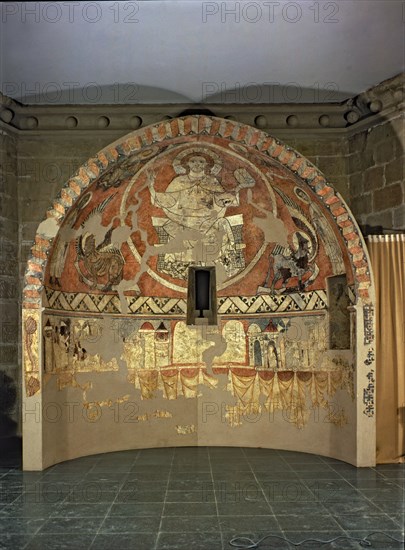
[376,174]
[10,375]
[45,163]
[329,154]
[358,145]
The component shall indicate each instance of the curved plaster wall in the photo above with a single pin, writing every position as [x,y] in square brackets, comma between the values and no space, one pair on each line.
[116,354]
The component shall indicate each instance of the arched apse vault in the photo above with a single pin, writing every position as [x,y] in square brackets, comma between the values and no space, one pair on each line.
[116,353]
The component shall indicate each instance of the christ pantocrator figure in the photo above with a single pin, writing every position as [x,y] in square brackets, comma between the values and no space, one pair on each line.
[197,201]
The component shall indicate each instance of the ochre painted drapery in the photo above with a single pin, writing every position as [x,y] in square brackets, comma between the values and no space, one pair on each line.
[387,255]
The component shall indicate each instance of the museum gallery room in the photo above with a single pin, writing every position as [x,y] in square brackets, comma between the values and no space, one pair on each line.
[202,272]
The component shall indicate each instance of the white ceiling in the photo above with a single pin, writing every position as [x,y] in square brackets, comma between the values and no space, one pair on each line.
[193,51]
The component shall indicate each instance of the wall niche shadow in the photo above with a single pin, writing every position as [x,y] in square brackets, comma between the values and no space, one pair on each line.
[10,443]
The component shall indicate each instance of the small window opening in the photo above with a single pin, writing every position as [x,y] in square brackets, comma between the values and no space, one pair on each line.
[202,296]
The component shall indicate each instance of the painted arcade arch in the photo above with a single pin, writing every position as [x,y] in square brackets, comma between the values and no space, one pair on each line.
[105,338]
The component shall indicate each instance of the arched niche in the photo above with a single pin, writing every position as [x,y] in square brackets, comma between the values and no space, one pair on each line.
[109,360]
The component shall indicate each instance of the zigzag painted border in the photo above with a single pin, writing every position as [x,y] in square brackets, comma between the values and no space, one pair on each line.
[141,305]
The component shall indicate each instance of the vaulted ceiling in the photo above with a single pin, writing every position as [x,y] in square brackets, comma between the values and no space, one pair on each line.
[189,51]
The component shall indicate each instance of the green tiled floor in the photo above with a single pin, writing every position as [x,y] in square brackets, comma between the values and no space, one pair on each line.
[199,498]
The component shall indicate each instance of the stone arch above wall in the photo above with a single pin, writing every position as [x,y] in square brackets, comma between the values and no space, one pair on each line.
[195,127]
[105,301]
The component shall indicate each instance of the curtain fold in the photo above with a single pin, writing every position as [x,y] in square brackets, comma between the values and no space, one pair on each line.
[387,254]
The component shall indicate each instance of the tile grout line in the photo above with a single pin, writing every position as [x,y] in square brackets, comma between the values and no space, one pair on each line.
[56,504]
[322,501]
[164,500]
[363,496]
[265,463]
[43,479]
[111,505]
[372,502]
[264,494]
[282,532]
[215,497]
[260,486]
[305,484]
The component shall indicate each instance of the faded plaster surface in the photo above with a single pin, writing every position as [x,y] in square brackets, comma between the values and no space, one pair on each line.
[116,346]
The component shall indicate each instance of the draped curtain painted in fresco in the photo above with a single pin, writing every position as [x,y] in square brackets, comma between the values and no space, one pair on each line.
[387,255]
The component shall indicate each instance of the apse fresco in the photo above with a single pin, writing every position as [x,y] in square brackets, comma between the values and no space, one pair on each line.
[137,229]
[31,321]
[123,253]
[275,364]
[120,348]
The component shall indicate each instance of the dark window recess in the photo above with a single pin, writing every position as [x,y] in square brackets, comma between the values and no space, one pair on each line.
[202,295]
[339,314]
[202,290]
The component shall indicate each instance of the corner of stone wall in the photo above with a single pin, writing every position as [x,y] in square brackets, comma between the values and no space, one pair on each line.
[376,162]
[10,371]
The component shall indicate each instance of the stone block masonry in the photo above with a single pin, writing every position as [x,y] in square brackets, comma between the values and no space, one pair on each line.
[9,289]
[376,174]
[363,161]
